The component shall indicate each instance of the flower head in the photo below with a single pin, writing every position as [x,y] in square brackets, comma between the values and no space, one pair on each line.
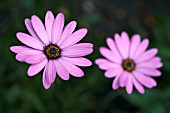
[130,63]
[53,47]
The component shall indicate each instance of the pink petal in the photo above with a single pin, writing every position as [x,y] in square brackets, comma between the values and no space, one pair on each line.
[49,21]
[82,45]
[79,61]
[40,30]
[31,29]
[149,71]
[153,63]
[109,55]
[112,46]
[101,60]
[34,59]
[123,79]
[115,84]
[61,70]
[126,42]
[36,68]
[29,41]
[72,69]
[46,84]
[22,55]
[57,28]
[138,86]
[120,43]
[146,55]
[113,72]
[134,44]
[51,71]
[105,64]
[19,49]
[141,48]
[129,85]
[74,38]
[77,50]
[144,80]
[68,30]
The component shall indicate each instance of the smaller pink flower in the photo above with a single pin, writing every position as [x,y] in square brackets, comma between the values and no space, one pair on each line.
[53,47]
[130,63]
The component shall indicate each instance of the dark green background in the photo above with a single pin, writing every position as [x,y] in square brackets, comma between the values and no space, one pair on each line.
[91,93]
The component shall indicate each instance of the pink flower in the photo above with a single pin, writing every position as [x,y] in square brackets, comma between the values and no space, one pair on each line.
[130,63]
[53,47]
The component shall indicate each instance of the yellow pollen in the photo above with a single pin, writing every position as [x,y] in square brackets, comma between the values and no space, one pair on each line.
[52,51]
[128,65]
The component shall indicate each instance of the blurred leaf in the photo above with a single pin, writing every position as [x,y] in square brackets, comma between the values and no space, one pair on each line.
[35,101]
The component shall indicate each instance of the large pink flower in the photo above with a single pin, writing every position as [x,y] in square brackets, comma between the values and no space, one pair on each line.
[54,47]
[130,63]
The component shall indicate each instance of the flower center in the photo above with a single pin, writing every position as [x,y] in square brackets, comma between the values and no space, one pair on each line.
[128,65]
[52,51]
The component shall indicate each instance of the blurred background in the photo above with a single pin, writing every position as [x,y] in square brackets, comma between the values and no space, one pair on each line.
[93,92]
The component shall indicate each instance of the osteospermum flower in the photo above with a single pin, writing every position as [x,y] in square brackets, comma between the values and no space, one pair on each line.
[53,47]
[130,63]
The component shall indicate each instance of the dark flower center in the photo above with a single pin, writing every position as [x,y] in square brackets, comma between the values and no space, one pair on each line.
[52,51]
[128,65]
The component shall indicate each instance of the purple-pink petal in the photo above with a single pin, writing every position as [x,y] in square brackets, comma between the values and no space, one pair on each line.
[116,54]
[49,21]
[68,30]
[126,44]
[77,51]
[72,69]
[146,55]
[105,64]
[123,79]
[138,86]
[46,84]
[149,71]
[80,61]
[134,45]
[144,80]
[40,29]
[109,55]
[51,71]
[34,59]
[115,84]
[18,49]
[36,68]
[141,48]
[61,70]
[129,85]
[57,28]
[120,45]
[29,41]
[22,55]
[153,63]
[101,60]
[113,72]
[30,29]
[74,38]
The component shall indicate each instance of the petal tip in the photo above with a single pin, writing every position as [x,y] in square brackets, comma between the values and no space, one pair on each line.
[47,86]
[12,49]
[129,92]
[61,15]
[26,20]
